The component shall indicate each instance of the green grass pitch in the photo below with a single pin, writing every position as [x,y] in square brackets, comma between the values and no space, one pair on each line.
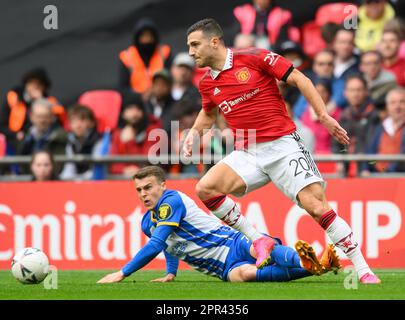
[189,284]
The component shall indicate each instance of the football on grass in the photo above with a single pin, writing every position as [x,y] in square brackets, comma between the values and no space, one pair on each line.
[30,266]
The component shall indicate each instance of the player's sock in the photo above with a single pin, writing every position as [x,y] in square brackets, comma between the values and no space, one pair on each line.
[285,257]
[298,273]
[342,236]
[280,274]
[226,210]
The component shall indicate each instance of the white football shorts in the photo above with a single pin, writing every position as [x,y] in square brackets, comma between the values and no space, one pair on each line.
[285,162]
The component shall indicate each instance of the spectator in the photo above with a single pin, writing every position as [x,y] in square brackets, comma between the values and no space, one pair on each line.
[132,138]
[379,81]
[15,110]
[322,67]
[397,25]
[243,41]
[270,24]
[43,166]
[328,33]
[346,62]
[305,133]
[83,139]
[143,58]
[160,102]
[372,15]
[389,48]
[182,73]
[389,137]
[293,52]
[186,113]
[44,133]
[323,140]
[359,119]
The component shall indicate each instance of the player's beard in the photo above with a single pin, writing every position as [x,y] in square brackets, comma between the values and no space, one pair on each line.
[199,63]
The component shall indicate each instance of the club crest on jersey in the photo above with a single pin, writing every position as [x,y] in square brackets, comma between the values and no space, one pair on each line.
[243,75]
[165,211]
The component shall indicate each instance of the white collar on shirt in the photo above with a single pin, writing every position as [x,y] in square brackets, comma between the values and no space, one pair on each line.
[228,64]
[389,127]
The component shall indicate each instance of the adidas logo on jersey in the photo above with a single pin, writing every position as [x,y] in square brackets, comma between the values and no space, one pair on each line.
[216,91]
[308,175]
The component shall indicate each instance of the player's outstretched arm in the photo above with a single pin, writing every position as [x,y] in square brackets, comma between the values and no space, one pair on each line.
[112,277]
[204,120]
[299,80]
[155,245]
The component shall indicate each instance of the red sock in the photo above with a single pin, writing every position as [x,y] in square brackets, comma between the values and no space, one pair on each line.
[214,202]
[326,220]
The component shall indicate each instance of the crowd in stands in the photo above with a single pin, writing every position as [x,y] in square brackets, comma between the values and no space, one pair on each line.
[359,73]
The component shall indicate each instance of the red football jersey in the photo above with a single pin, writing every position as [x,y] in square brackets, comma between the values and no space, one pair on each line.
[398,69]
[247,94]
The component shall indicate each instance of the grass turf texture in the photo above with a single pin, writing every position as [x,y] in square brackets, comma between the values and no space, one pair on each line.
[188,285]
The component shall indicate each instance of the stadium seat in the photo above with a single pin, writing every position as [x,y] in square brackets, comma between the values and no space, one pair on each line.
[106,105]
[332,12]
[3,145]
[312,41]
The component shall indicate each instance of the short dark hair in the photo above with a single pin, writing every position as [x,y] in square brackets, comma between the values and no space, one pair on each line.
[357,76]
[326,83]
[375,52]
[342,28]
[38,74]
[148,171]
[328,31]
[209,27]
[185,107]
[82,112]
[326,50]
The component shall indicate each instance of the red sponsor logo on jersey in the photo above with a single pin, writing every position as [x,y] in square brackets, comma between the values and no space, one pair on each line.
[243,75]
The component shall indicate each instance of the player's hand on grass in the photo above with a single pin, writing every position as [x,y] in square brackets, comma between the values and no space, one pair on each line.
[335,129]
[112,277]
[168,278]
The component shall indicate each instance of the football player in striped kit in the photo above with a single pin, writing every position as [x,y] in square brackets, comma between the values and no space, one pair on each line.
[179,228]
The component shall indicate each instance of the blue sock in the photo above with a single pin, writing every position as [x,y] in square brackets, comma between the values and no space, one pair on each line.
[298,273]
[285,257]
[274,273]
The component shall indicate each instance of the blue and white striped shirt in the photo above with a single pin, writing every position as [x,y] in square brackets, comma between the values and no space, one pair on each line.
[197,238]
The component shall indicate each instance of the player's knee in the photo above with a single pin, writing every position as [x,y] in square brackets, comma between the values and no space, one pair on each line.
[318,210]
[314,202]
[244,273]
[248,274]
[204,190]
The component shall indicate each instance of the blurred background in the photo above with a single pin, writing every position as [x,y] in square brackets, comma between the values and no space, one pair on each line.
[84,84]
[127,62]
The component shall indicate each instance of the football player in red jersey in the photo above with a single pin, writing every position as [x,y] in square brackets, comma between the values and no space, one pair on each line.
[243,86]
